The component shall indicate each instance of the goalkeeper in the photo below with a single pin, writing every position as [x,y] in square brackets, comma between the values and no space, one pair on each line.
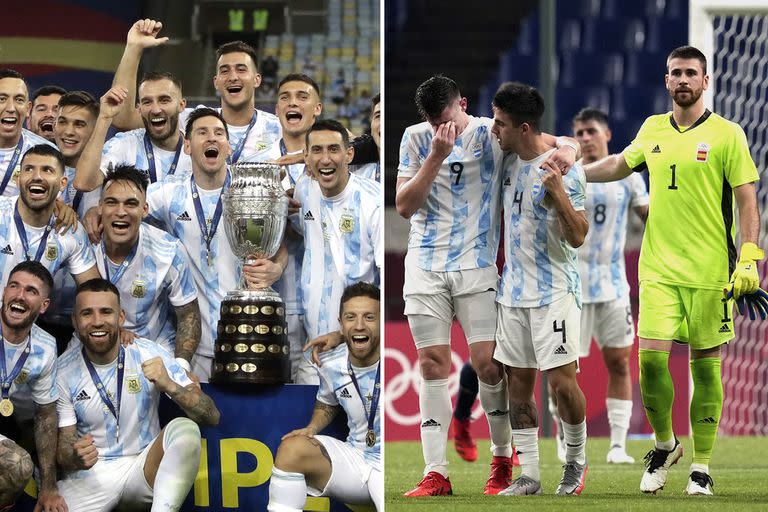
[698,163]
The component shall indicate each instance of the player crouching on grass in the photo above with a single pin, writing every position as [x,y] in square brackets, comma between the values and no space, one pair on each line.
[350,470]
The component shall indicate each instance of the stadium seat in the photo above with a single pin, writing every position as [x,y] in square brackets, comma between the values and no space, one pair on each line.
[645,68]
[569,35]
[590,70]
[572,99]
[665,34]
[620,34]
[518,68]
[578,9]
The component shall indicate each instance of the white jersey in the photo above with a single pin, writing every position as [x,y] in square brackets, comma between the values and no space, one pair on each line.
[601,258]
[127,148]
[36,383]
[337,388]
[157,278]
[262,144]
[288,284]
[171,208]
[540,266]
[70,251]
[457,228]
[371,170]
[342,245]
[29,139]
[81,404]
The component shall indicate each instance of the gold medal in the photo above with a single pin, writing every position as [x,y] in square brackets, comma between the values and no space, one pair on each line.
[370,439]
[210,260]
[6,406]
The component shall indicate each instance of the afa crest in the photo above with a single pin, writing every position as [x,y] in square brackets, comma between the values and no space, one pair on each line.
[260,146]
[51,252]
[134,385]
[347,224]
[22,378]
[138,289]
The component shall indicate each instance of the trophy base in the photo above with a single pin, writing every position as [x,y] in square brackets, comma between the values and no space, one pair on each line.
[252,344]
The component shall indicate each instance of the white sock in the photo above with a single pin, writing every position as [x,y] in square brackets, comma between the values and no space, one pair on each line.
[619,414]
[701,468]
[495,402]
[178,467]
[527,446]
[575,442]
[435,407]
[287,491]
[666,445]
[556,416]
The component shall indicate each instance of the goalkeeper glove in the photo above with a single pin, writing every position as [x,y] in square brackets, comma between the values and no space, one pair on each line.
[745,279]
[752,303]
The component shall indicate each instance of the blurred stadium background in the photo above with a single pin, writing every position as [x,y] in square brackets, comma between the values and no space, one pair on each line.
[77,44]
[609,54]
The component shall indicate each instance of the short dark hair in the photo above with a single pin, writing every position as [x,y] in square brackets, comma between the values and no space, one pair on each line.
[36,269]
[80,99]
[375,100]
[591,114]
[156,76]
[138,177]
[521,102]
[330,125]
[46,150]
[98,284]
[360,289]
[434,95]
[688,52]
[11,73]
[47,90]
[238,47]
[203,112]
[299,77]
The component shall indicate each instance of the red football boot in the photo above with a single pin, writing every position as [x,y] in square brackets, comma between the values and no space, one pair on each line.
[434,484]
[462,440]
[501,475]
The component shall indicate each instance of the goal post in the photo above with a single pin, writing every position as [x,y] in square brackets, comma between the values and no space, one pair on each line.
[733,35]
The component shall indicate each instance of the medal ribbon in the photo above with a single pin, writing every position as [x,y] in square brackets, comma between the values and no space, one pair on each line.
[151,157]
[7,380]
[207,234]
[23,234]
[122,267]
[241,145]
[114,408]
[376,393]
[12,164]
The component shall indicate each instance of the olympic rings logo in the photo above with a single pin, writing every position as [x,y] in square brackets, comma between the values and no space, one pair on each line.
[408,378]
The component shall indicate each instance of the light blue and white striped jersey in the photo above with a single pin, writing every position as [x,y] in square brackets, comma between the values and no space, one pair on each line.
[80,403]
[601,258]
[343,244]
[263,143]
[371,170]
[457,228]
[36,383]
[540,266]
[127,148]
[60,311]
[171,208]
[157,279]
[288,284]
[70,251]
[6,155]
[336,388]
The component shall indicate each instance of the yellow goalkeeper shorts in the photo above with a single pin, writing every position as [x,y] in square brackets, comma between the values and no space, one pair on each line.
[689,315]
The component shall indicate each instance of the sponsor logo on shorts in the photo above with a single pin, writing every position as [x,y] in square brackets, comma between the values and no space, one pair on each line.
[707,420]
[345,393]
[507,181]
[560,351]
[725,328]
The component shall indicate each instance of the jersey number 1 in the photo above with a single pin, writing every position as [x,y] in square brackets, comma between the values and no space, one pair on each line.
[672,186]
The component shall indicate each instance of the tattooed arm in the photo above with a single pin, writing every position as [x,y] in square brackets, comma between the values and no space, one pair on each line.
[75,452]
[321,418]
[46,426]
[15,470]
[188,330]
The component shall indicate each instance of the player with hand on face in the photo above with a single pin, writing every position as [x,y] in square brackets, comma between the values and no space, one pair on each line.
[111,447]
[350,470]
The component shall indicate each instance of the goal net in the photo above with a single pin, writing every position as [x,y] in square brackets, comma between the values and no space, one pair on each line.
[733,34]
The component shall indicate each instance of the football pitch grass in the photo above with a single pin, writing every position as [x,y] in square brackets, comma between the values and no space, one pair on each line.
[739,470]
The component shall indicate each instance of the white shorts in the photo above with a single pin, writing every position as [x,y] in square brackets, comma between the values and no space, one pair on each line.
[544,338]
[107,484]
[610,323]
[302,370]
[469,295]
[351,475]
[202,367]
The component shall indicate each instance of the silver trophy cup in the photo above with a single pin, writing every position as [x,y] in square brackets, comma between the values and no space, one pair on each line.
[252,343]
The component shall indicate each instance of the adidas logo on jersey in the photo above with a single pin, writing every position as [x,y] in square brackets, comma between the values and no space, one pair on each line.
[724,328]
[7,250]
[345,393]
[560,351]
[82,396]
[656,149]
[507,181]
[309,216]
[184,216]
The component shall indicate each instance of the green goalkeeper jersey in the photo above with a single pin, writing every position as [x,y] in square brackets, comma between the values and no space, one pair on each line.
[689,235]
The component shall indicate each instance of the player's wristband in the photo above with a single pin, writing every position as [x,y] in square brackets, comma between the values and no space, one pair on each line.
[563,142]
[750,251]
[184,363]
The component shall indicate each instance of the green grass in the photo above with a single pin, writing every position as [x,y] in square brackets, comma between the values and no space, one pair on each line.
[740,472]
